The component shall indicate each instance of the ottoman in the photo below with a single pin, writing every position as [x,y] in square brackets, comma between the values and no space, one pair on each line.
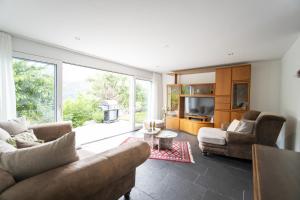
[212,140]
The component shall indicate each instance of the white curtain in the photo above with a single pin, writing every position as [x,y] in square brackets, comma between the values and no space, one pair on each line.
[7,84]
[157,96]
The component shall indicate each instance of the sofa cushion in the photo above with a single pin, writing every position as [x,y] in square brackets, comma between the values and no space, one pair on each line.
[4,135]
[6,147]
[233,125]
[212,136]
[14,126]
[24,163]
[6,180]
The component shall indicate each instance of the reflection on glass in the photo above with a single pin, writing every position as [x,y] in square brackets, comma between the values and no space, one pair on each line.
[173,99]
[240,96]
[142,101]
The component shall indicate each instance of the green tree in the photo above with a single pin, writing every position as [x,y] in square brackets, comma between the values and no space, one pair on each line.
[111,86]
[34,92]
[83,108]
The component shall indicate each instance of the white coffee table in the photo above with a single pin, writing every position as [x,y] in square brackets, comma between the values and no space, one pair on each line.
[165,139]
[152,134]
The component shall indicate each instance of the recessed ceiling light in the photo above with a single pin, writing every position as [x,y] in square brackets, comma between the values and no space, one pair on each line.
[77,38]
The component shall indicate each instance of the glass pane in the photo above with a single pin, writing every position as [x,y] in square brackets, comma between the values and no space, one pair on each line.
[186,89]
[202,89]
[35,90]
[96,101]
[173,99]
[142,101]
[240,96]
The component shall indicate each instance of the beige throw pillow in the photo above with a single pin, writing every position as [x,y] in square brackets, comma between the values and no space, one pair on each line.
[24,163]
[14,126]
[4,135]
[245,127]
[25,144]
[25,139]
[233,125]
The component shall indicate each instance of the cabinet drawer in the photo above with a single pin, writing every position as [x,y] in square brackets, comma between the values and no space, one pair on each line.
[172,123]
[222,99]
[222,106]
[241,73]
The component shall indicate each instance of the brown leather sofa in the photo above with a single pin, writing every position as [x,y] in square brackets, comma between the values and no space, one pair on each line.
[266,130]
[105,176]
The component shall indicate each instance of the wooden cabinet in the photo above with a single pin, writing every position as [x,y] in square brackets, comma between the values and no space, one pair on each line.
[172,123]
[191,126]
[232,93]
[241,73]
[237,115]
[223,81]
[222,99]
[221,117]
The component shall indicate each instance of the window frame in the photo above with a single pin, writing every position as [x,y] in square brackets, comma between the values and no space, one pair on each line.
[57,78]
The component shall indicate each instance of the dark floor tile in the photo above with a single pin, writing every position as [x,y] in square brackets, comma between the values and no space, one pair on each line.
[137,194]
[212,177]
[209,195]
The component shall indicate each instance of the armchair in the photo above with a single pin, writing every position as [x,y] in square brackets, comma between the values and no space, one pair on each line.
[266,130]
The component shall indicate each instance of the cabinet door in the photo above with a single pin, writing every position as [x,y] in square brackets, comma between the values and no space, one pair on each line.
[242,73]
[223,81]
[221,117]
[172,123]
[236,115]
[186,126]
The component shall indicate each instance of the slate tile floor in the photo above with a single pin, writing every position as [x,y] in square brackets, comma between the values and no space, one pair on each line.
[210,178]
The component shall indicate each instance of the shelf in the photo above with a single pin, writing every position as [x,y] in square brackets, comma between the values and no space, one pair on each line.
[197,95]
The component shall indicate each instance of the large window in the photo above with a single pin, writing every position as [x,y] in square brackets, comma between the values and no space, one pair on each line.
[96,101]
[142,101]
[53,91]
[35,90]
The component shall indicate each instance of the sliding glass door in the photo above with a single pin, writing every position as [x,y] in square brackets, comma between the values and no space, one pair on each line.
[142,101]
[96,101]
[35,90]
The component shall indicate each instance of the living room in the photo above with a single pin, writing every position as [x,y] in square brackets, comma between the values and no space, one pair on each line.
[149,100]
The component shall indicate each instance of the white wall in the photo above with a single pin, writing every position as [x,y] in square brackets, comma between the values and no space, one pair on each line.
[208,77]
[290,98]
[21,45]
[265,86]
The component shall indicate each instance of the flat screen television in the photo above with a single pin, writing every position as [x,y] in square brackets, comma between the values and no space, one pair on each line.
[199,106]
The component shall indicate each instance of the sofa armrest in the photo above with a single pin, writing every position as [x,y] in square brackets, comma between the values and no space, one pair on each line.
[83,178]
[6,180]
[240,138]
[51,131]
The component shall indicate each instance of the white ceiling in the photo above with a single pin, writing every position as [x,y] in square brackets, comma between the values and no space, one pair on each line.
[159,35]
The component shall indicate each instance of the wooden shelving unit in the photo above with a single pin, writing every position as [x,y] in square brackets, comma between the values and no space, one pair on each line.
[228,104]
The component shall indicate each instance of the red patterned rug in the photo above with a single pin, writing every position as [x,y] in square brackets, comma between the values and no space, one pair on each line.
[181,151]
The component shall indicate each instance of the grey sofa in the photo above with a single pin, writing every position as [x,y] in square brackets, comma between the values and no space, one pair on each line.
[105,176]
[266,130]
